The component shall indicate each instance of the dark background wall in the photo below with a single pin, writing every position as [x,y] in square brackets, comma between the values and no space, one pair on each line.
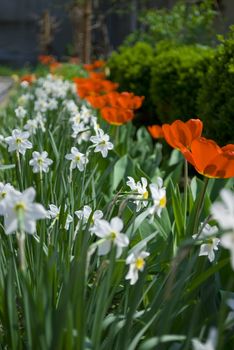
[19,26]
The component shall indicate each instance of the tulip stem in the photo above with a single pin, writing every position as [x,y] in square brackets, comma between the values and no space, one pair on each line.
[200,205]
[185,192]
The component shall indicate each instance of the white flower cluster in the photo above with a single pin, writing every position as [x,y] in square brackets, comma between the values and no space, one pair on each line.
[84,124]
[141,194]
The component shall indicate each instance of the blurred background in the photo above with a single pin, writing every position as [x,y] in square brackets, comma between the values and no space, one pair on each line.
[90,28]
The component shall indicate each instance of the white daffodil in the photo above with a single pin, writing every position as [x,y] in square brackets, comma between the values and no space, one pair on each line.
[20,112]
[86,114]
[78,159]
[101,142]
[131,183]
[81,133]
[52,104]
[4,190]
[24,84]
[54,213]
[24,99]
[71,107]
[210,242]
[210,344]
[141,191]
[158,193]
[136,262]
[31,126]
[17,204]
[110,234]
[230,317]
[18,141]
[40,162]
[223,213]
[84,215]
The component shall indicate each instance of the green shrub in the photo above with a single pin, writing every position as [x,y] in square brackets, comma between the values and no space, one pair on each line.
[184,23]
[131,68]
[177,76]
[216,98]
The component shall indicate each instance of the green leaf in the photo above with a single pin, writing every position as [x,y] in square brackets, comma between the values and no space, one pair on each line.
[152,342]
[119,171]
[7,167]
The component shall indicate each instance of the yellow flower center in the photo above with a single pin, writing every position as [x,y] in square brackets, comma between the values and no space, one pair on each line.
[102,142]
[18,140]
[113,235]
[77,158]
[40,161]
[163,202]
[3,194]
[146,195]
[20,206]
[139,263]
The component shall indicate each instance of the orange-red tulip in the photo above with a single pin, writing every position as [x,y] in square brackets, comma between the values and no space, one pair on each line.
[211,160]
[46,59]
[156,131]
[97,102]
[30,78]
[95,65]
[180,134]
[97,75]
[117,116]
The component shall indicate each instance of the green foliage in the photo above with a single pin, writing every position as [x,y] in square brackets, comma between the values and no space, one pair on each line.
[69,71]
[131,68]
[68,297]
[185,24]
[177,76]
[216,99]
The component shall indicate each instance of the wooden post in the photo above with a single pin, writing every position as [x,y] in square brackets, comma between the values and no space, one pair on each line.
[87,23]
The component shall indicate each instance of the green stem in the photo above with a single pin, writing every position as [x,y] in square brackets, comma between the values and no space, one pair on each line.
[185,192]
[19,171]
[41,187]
[21,241]
[200,205]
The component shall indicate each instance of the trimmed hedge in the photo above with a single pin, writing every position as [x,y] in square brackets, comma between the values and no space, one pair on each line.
[216,98]
[169,78]
[131,68]
[177,76]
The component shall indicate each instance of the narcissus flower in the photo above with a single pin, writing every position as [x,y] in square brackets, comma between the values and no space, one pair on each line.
[156,131]
[136,262]
[180,134]
[4,190]
[40,162]
[18,204]
[84,215]
[102,143]
[211,160]
[158,193]
[20,112]
[18,141]
[110,233]
[209,241]
[223,213]
[210,344]
[54,213]
[78,159]
[141,190]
